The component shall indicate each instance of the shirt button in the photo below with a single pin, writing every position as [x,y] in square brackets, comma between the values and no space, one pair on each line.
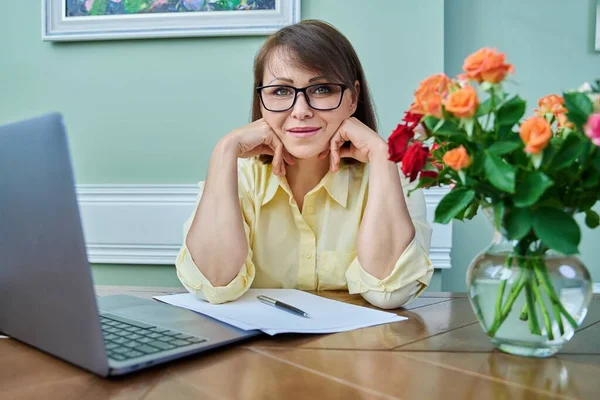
[307,255]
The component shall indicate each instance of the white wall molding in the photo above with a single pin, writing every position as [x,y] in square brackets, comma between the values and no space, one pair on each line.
[142,224]
[441,239]
[134,224]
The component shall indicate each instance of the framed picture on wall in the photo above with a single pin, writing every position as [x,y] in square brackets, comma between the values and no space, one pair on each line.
[70,20]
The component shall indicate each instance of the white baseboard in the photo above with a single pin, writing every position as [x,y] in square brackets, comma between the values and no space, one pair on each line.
[143,224]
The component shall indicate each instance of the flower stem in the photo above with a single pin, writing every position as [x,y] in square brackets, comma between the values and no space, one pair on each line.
[540,301]
[558,317]
[500,297]
[512,296]
[523,316]
[534,326]
[542,275]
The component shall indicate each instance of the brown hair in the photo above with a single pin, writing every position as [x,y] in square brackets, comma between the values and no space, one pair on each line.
[316,46]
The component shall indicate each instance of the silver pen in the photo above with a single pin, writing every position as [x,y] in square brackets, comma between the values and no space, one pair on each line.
[281,305]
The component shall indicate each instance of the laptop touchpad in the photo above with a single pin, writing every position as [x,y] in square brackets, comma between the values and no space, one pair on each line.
[156,314]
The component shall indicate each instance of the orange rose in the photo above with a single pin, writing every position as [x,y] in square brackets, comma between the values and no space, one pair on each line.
[430,94]
[551,104]
[438,83]
[463,102]
[430,104]
[486,65]
[563,122]
[457,159]
[535,133]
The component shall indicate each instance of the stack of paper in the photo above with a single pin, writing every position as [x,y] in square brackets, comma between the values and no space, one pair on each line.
[248,313]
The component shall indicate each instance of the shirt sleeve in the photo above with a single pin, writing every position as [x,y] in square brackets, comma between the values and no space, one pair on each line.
[413,270]
[189,273]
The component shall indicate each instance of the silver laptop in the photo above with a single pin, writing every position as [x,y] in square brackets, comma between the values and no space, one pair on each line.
[47,295]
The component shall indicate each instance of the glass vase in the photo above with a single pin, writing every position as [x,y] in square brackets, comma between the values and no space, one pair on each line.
[529,304]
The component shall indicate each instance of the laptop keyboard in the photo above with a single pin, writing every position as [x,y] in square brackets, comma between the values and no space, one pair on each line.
[125,339]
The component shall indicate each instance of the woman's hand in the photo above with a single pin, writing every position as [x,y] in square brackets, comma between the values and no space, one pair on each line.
[364,144]
[258,138]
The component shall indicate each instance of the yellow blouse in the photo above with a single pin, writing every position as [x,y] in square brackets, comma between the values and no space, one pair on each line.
[314,249]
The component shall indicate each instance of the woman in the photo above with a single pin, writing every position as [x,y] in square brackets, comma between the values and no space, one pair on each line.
[305,196]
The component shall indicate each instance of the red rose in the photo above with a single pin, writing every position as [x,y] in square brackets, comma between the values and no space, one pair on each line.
[428,174]
[412,119]
[398,142]
[414,160]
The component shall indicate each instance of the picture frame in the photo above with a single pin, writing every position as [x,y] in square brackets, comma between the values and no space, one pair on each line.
[78,20]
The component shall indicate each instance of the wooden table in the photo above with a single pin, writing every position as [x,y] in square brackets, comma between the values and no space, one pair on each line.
[439,352]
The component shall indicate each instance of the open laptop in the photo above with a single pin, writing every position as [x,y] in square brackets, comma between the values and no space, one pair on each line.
[47,297]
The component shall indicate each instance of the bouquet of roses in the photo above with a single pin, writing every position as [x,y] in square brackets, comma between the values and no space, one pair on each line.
[531,176]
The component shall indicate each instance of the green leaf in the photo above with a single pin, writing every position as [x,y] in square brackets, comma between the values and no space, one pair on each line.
[430,122]
[476,166]
[590,178]
[592,219]
[551,202]
[498,214]
[518,223]
[469,125]
[531,189]
[586,153]
[471,211]
[453,203]
[448,128]
[587,200]
[500,174]
[579,107]
[596,161]
[553,148]
[505,132]
[484,108]
[557,229]
[511,112]
[571,148]
[504,147]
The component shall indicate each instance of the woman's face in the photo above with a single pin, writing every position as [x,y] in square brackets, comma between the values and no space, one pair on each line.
[304,131]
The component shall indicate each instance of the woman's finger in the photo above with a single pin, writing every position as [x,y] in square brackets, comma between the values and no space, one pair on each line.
[269,142]
[285,155]
[335,144]
[278,157]
[272,141]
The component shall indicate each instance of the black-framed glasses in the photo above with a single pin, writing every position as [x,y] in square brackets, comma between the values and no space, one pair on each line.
[320,96]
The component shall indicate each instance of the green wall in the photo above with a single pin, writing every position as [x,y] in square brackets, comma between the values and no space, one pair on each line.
[551,44]
[150,111]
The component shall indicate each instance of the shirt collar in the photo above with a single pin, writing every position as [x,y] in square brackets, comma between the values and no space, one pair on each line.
[335,183]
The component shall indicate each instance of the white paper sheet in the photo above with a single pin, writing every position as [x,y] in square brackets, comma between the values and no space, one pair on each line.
[247,312]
